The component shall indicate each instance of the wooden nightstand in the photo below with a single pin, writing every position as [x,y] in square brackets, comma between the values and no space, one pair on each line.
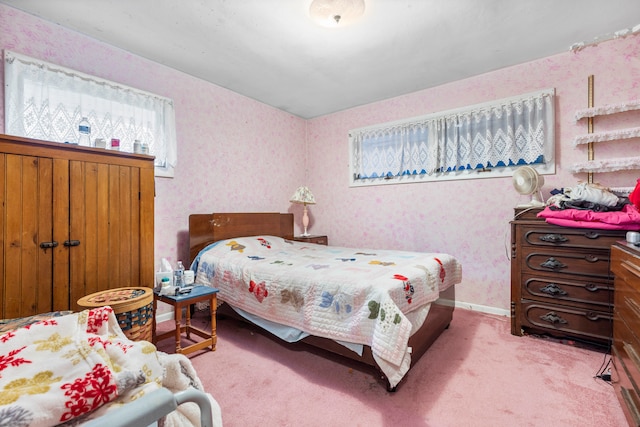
[317,239]
[198,294]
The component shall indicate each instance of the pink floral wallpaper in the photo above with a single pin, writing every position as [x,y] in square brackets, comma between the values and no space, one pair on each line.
[470,218]
[236,154]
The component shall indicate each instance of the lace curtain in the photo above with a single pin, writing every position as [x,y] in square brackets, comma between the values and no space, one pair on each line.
[504,133]
[395,150]
[46,101]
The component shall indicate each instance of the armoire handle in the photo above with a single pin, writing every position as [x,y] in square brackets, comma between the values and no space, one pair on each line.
[48,245]
[72,243]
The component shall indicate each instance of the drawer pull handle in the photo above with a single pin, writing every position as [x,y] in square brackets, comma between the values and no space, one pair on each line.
[553,264]
[591,287]
[591,235]
[592,316]
[553,238]
[552,317]
[591,258]
[553,290]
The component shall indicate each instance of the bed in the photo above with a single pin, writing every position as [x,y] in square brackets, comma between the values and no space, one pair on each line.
[381,308]
[72,369]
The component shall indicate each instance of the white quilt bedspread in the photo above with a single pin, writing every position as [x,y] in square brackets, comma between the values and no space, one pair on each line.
[353,295]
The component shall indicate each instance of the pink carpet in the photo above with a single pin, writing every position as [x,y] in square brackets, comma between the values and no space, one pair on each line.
[476,374]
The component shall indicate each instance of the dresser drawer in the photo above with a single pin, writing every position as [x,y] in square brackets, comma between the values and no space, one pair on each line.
[625,266]
[595,294]
[628,348]
[576,238]
[592,264]
[627,306]
[592,325]
[625,390]
[626,269]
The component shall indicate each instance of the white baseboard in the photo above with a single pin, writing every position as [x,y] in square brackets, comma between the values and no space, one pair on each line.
[163,317]
[483,308]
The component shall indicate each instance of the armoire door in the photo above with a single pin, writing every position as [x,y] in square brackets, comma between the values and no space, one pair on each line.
[104,242]
[26,227]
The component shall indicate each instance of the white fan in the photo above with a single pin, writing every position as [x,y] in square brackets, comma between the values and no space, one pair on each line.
[527,181]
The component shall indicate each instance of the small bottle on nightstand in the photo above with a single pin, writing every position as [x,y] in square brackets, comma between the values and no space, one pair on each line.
[178,275]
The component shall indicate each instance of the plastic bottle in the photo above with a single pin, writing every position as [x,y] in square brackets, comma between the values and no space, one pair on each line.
[178,275]
[84,129]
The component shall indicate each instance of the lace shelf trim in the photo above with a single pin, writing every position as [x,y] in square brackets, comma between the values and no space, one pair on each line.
[608,109]
[607,165]
[606,136]
[621,191]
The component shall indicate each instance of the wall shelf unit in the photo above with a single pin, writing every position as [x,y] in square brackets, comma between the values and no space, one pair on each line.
[592,166]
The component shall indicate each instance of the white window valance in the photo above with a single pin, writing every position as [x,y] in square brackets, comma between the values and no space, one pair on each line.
[503,133]
[46,101]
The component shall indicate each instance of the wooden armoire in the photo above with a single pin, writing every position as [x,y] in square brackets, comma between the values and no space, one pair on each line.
[73,221]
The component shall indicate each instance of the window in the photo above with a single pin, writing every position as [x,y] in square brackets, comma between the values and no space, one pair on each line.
[46,101]
[481,141]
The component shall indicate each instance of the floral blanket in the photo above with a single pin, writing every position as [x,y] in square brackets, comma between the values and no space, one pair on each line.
[58,370]
[353,295]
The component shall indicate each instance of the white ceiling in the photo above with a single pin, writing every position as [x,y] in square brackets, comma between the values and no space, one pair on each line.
[271,51]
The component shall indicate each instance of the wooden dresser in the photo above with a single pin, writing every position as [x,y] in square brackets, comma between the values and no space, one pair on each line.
[561,284]
[73,221]
[625,375]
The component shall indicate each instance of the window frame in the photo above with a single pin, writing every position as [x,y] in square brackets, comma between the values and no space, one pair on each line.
[148,105]
[546,168]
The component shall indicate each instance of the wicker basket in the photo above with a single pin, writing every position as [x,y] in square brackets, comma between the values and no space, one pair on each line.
[133,308]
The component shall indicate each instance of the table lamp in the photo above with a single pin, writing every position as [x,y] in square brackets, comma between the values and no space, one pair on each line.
[303,196]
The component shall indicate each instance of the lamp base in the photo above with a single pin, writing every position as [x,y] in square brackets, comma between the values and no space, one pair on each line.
[305,221]
[305,235]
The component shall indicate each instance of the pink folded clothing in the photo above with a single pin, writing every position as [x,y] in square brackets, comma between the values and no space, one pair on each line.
[626,219]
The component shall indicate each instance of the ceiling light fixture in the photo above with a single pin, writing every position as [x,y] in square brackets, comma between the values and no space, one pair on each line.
[331,13]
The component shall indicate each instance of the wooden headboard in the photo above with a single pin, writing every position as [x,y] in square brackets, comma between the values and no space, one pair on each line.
[208,228]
